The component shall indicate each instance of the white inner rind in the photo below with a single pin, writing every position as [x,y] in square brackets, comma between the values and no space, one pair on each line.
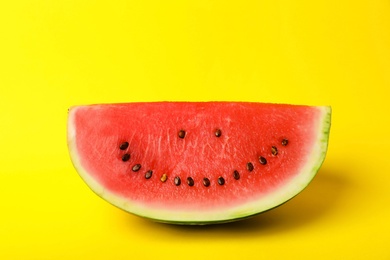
[257,205]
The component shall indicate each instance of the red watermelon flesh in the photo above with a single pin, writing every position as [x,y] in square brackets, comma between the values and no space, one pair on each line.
[197,162]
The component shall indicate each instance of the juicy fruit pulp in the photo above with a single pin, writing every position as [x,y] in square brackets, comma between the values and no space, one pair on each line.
[201,162]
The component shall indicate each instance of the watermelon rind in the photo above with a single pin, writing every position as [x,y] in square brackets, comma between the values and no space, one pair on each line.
[192,217]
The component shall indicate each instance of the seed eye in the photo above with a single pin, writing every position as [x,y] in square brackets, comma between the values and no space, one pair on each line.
[284,142]
[126,157]
[124,145]
[136,167]
[221,180]
[163,178]
[262,160]
[206,182]
[274,150]
[249,166]
[236,175]
[148,174]
[218,132]
[190,181]
[177,181]
[182,134]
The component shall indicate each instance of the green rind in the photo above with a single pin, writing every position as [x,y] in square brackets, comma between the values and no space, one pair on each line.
[293,188]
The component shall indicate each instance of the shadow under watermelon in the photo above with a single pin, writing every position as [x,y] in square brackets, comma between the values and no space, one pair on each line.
[314,203]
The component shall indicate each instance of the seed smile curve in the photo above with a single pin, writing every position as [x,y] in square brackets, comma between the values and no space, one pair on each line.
[206,181]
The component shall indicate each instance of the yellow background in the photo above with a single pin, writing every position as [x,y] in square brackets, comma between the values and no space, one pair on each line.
[59,53]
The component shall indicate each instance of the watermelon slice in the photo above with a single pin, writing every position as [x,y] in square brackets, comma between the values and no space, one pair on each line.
[197,162]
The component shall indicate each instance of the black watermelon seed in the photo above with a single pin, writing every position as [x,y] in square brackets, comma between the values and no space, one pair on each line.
[124,145]
[136,167]
[262,160]
[182,134]
[190,181]
[125,157]
[274,150]
[177,181]
[218,133]
[284,142]
[206,182]
[148,174]
[163,178]
[236,175]
[221,180]
[249,166]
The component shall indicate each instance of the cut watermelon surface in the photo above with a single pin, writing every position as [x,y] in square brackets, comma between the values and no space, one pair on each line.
[197,162]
